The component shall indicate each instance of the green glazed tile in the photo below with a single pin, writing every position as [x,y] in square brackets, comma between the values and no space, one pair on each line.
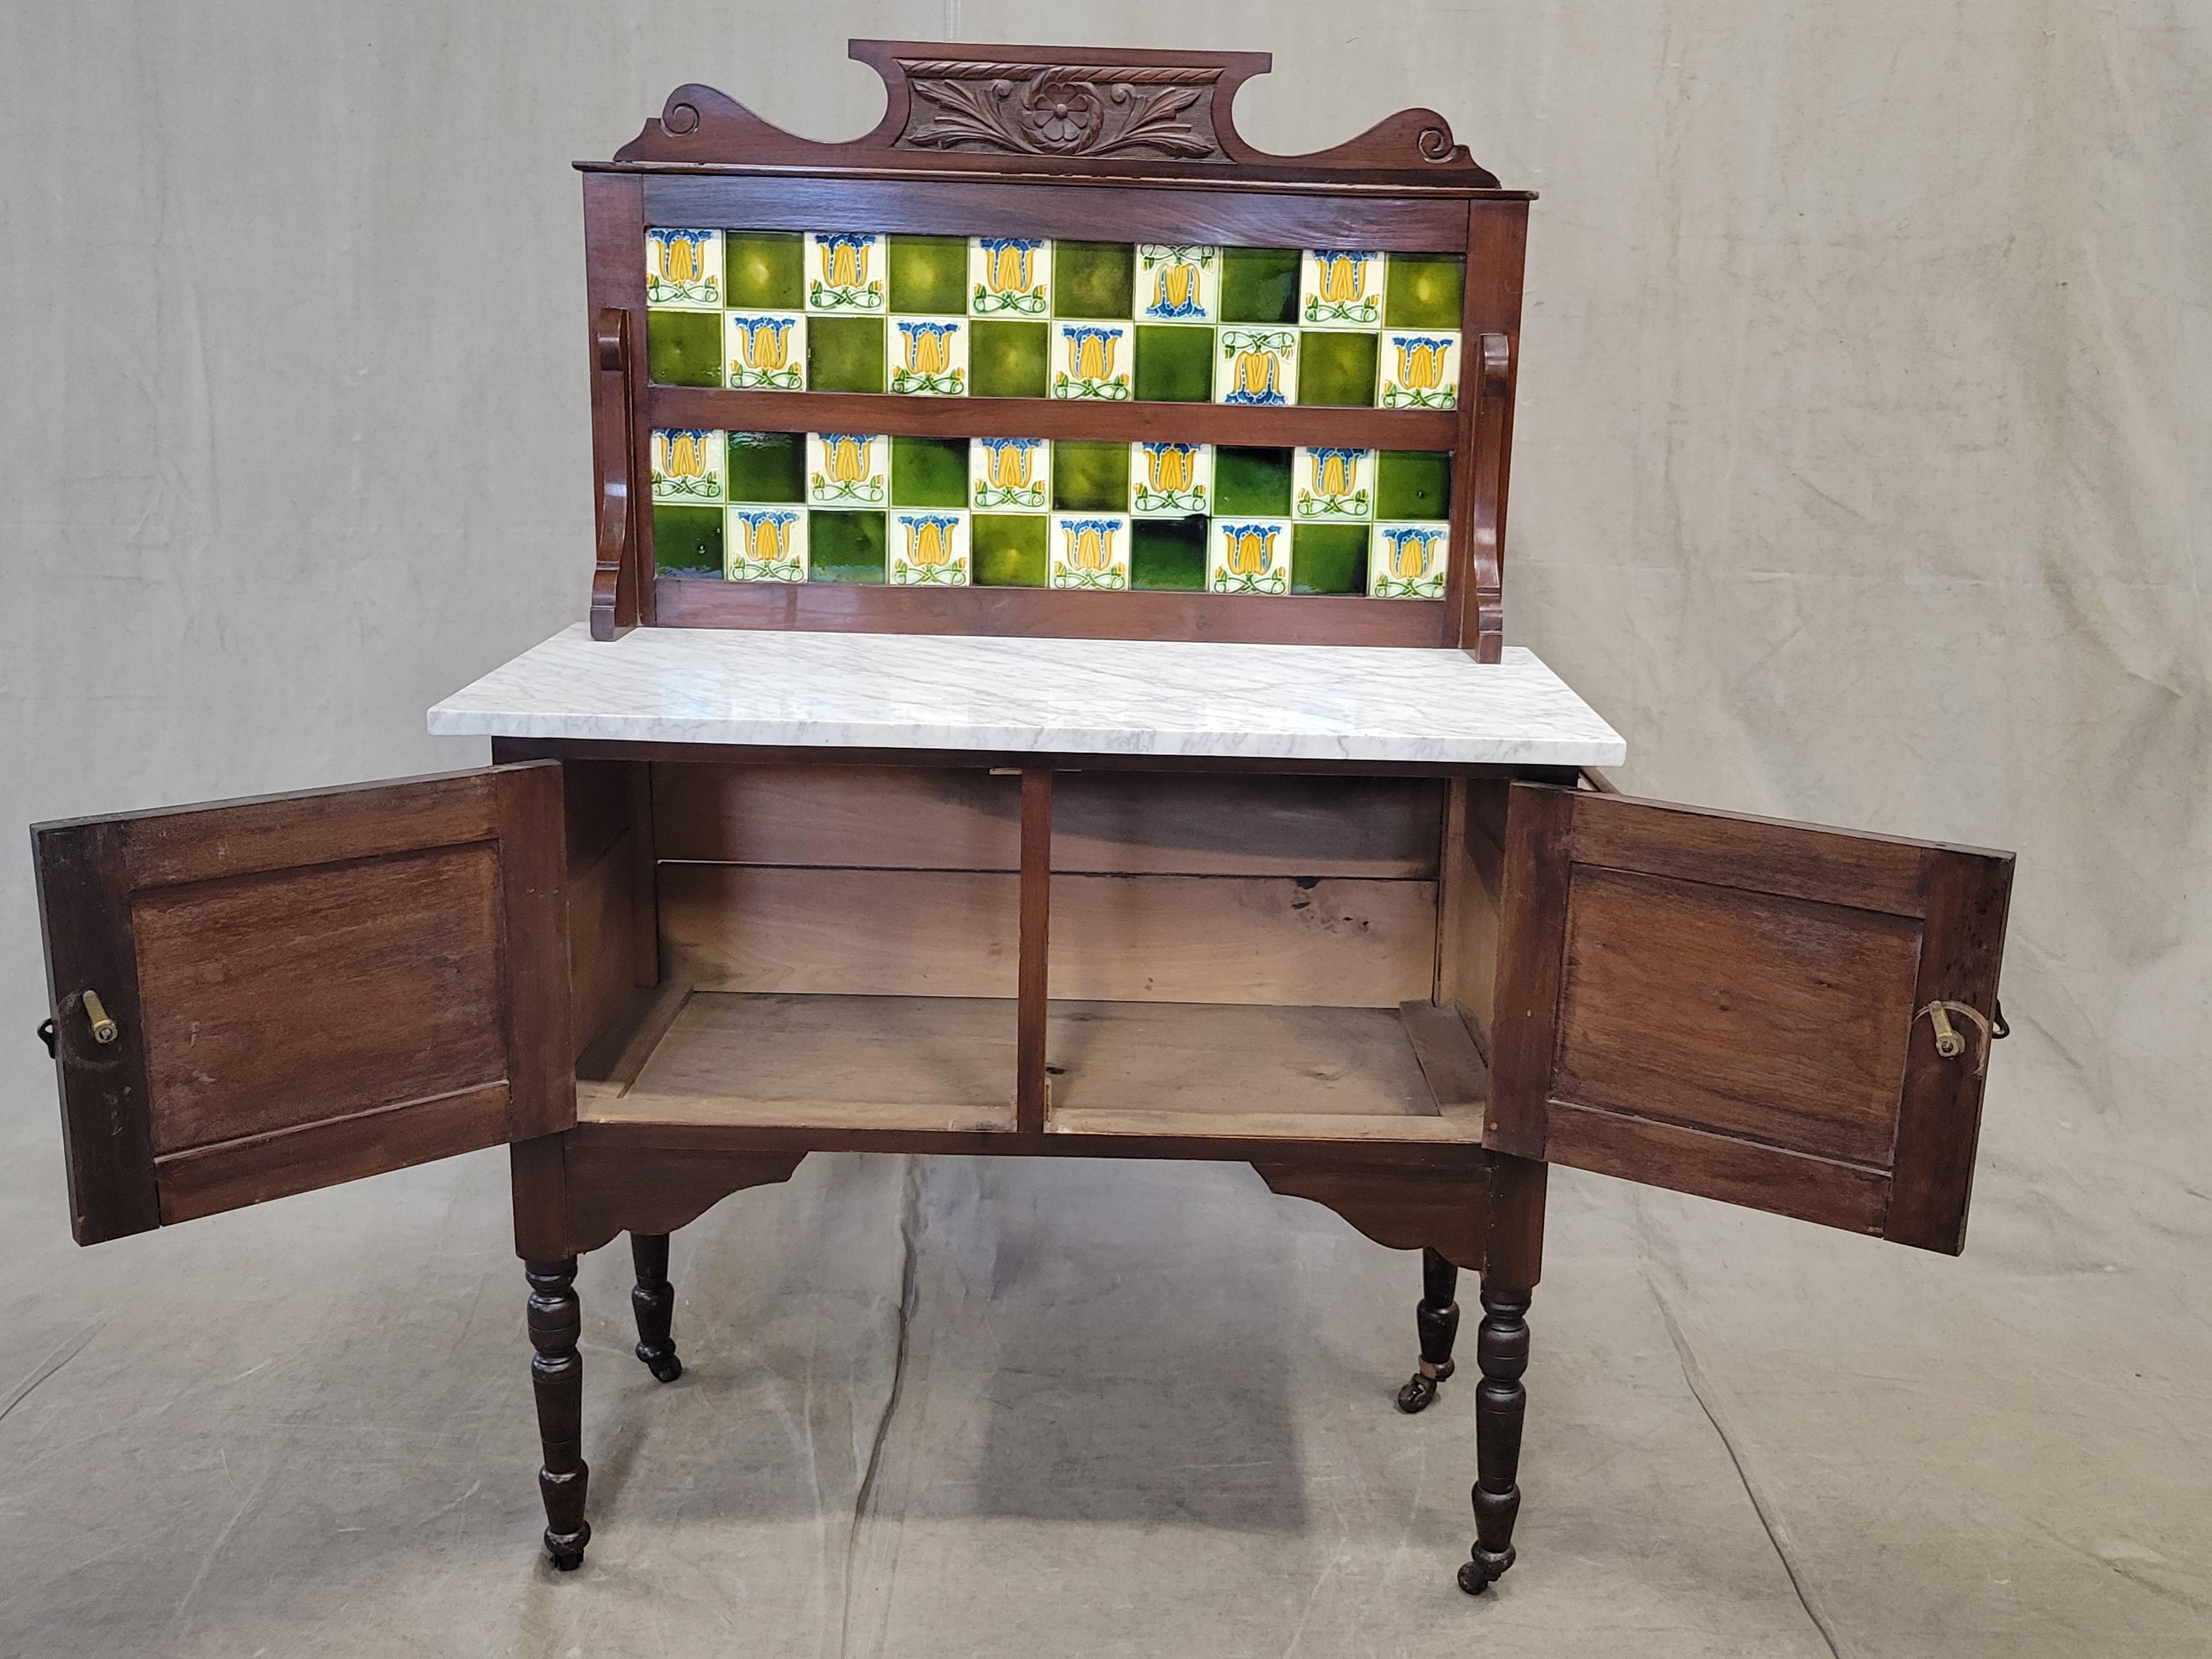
[688,540]
[1259,284]
[1175,364]
[1096,279]
[1167,553]
[683,348]
[1009,549]
[1412,483]
[1089,474]
[1328,558]
[930,274]
[1253,481]
[767,467]
[1006,360]
[764,269]
[845,354]
[844,547]
[1336,367]
[929,471]
[1423,290]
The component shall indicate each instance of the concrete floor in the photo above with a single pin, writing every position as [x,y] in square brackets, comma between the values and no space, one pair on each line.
[1117,1410]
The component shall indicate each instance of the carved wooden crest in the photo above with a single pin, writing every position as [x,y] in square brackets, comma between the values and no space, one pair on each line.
[1062,109]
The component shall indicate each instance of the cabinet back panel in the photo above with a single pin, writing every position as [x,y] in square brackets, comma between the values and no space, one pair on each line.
[301,994]
[1120,822]
[1338,941]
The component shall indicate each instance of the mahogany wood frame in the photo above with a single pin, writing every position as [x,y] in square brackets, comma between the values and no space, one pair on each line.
[1152,150]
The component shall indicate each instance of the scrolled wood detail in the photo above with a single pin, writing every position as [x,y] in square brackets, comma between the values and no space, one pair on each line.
[658,1190]
[1062,109]
[1023,109]
[1445,1212]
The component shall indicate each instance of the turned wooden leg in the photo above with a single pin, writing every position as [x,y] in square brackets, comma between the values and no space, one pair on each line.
[556,1377]
[1437,1318]
[1501,1349]
[653,1301]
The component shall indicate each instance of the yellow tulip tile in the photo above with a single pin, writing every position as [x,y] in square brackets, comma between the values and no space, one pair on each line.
[1009,474]
[684,270]
[1177,284]
[1170,480]
[1409,561]
[1341,287]
[929,547]
[1332,486]
[845,274]
[764,351]
[1009,276]
[688,468]
[1250,555]
[1420,368]
[848,469]
[1089,551]
[1092,361]
[764,545]
[929,357]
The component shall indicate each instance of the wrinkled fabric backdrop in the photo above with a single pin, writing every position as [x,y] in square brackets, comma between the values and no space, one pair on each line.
[1861,477]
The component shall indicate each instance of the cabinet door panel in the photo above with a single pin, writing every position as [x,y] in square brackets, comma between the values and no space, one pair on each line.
[1738,1008]
[305,989]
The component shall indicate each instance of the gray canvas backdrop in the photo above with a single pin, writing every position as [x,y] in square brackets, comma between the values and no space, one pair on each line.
[1861,476]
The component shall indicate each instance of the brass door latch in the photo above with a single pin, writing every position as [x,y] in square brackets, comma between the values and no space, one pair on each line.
[1950,1044]
[103,1028]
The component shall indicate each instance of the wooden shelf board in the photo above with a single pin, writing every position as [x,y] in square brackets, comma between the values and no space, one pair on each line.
[946,1065]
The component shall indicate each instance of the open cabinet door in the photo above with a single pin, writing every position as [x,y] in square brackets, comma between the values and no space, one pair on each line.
[267,996]
[1788,1018]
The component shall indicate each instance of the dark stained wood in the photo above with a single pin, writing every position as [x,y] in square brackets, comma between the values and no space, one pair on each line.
[1031,1090]
[1049,417]
[1967,899]
[328,1152]
[1501,1349]
[1534,911]
[622,1183]
[838,608]
[509,750]
[1513,1251]
[1067,111]
[1436,1319]
[589,1139]
[645,876]
[1075,209]
[538,1176]
[1732,1007]
[1754,1041]
[556,1380]
[322,985]
[1854,1197]
[541,1049]
[653,1300]
[1497,246]
[614,284]
[1445,1210]
[107,1136]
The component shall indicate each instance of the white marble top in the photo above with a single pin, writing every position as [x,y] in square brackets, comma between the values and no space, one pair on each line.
[1036,695]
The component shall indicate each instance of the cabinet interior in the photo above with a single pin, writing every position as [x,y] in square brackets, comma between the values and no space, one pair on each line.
[835,946]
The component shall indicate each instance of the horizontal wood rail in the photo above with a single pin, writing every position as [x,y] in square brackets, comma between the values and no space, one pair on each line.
[1049,417]
[1044,613]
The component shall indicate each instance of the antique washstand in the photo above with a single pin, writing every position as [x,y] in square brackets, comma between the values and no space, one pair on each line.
[1044,693]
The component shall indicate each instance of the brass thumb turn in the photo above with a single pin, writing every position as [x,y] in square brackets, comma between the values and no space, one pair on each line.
[95,1011]
[1949,1044]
